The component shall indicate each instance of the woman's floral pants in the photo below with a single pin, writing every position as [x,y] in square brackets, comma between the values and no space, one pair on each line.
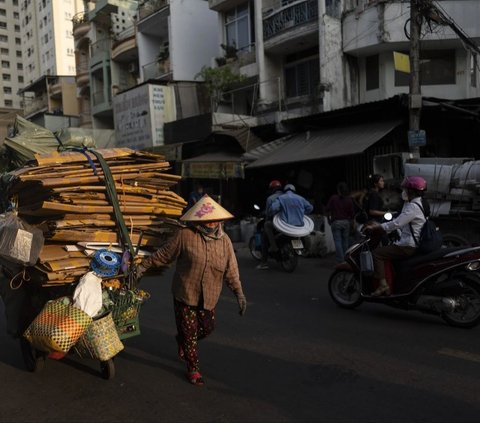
[193,323]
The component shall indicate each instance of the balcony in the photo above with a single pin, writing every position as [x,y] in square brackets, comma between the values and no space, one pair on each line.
[104,8]
[150,7]
[292,27]
[81,25]
[82,78]
[289,17]
[124,48]
[35,105]
[157,70]
[55,88]
[100,51]
[101,103]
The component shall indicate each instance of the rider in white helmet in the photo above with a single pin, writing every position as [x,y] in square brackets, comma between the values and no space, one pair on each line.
[291,206]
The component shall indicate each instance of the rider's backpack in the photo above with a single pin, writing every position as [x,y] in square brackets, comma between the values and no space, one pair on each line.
[430,237]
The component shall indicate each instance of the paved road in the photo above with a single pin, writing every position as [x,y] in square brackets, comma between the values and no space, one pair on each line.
[294,356]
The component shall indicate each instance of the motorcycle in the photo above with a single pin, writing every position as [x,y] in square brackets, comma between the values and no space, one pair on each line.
[289,248]
[445,282]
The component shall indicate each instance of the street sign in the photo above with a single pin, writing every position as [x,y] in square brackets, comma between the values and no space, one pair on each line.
[417,138]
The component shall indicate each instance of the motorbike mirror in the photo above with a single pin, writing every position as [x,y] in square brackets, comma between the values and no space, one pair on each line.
[388,216]
[256,207]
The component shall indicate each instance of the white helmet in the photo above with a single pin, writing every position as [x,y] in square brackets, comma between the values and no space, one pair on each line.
[289,187]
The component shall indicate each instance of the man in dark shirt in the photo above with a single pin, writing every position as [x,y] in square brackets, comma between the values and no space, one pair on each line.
[340,215]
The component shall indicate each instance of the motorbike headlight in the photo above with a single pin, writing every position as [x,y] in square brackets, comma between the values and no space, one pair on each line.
[474,265]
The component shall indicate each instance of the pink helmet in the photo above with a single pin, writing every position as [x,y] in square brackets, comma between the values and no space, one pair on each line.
[414,182]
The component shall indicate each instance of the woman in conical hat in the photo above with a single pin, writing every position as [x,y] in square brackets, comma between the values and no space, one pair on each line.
[205,259]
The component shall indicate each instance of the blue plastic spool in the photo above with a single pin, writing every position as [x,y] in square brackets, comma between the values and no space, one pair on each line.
[105,263]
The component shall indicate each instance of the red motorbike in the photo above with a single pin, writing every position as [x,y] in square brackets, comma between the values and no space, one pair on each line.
[445,282]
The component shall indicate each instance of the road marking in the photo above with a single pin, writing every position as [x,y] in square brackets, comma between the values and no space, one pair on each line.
[464,355]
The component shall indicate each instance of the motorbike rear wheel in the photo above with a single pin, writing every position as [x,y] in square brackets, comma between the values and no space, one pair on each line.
[344,288]
[467,313]
[252,246]
[288,257]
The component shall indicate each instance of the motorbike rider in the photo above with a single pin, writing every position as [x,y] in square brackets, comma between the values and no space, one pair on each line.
[268,235]
[291,206]
[411,219]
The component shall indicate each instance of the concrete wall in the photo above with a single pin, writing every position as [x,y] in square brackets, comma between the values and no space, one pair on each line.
[362,31]
[387,88]
[193,37]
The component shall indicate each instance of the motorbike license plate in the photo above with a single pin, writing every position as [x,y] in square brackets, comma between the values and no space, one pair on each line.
[297,244]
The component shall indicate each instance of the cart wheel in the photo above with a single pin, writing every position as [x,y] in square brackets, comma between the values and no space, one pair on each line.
[34,359]
[107,368]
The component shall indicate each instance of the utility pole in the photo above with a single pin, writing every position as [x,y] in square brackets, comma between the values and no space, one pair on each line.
[415,97]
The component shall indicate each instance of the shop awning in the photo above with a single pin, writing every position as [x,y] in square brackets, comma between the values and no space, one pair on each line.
[265,149]
[326,143]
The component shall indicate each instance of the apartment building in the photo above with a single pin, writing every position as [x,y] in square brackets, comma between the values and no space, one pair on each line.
[47,39]
[12,78]
[106,58]
[48,92]
[373,30]
[320,55]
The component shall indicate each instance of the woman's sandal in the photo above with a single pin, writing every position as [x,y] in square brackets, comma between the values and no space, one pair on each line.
[195,378]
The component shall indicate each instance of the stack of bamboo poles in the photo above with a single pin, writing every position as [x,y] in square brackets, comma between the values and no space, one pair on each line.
[65,195]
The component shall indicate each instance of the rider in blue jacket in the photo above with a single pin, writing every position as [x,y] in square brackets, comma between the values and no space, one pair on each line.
[291,206]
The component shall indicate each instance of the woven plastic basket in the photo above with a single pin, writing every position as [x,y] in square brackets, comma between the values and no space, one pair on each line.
[100,340]
[57,327]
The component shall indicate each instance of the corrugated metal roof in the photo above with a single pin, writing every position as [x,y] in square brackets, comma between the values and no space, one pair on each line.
[219,156]
[245,137]
[327,143]
[265,149]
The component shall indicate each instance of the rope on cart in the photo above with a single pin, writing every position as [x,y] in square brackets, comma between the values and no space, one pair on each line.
[25,278]
[119,219]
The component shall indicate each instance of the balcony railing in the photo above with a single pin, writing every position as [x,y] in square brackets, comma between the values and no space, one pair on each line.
[149,7]
[156,69]
[98,98]
[122,36]
[80,25]
[35,104]
[289,17]
[100,46]
[79,18]
[82,66]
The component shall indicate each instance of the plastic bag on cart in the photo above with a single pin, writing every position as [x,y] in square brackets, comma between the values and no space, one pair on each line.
[88,294]
[19,241]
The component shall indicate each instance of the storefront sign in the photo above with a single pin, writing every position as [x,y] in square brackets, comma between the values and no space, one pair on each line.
[417,138]
[140,114]
[213,170]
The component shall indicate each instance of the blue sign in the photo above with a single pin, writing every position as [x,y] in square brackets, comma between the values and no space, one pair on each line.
[417,138]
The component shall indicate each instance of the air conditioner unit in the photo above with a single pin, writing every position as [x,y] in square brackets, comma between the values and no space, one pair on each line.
[133,67]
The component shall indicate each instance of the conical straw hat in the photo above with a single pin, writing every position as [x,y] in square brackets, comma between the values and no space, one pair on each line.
[206,210]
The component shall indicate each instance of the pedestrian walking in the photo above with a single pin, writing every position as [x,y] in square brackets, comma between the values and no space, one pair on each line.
[204,260]
[340,211]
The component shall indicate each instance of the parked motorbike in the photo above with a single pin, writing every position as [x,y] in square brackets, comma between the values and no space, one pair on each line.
[445,283]
[289,248]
